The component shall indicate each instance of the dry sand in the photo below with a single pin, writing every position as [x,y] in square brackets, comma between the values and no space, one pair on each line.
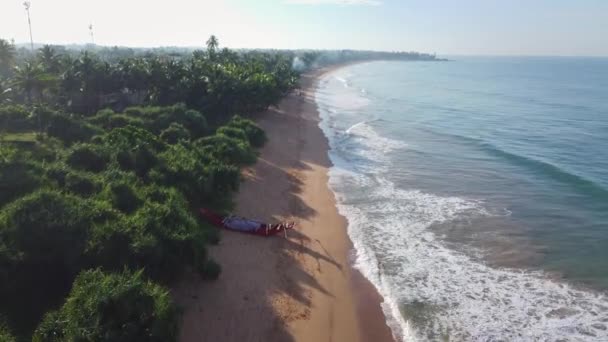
[275,289]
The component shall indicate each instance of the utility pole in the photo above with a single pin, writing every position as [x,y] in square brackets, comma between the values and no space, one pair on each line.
[91,32]
[27,5]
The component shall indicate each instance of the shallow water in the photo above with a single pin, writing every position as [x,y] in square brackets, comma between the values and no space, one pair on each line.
[477,193]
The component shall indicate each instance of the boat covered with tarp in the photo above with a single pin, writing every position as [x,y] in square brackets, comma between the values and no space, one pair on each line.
[245,225]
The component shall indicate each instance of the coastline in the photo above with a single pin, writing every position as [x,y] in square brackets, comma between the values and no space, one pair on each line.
[298,289]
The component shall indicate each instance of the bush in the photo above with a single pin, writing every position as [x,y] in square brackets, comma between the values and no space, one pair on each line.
[123,197]
[227,149]
[183,167]
[161,235]
[81,184]
[87,157]
[175,133]
[233,132]
[109,120]
[44,236]
[226,178]
[254,133]
[135,149]
[57,173]
[17,176]
[48,227]
[70,130]
[112,308]
[125,160]
[5,335]
[15,118]
[143,161]
[130,138]
[167,237]
[196,123]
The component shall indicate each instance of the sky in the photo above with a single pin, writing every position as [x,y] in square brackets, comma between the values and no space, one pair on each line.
[445,27]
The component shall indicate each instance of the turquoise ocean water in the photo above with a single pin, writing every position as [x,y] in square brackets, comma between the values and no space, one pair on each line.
[476,192]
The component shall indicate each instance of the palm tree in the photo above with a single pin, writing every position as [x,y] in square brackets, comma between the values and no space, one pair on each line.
[30,78]
[212,45]
[7,57]
[49,59]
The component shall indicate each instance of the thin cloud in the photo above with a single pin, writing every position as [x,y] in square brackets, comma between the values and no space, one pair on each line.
[335,2]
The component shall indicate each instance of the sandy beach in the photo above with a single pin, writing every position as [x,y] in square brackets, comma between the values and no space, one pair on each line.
[297,289]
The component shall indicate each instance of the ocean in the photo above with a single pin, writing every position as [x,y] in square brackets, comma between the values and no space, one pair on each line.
[476,193]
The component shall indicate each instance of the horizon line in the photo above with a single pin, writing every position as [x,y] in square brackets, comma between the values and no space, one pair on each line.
[23,44]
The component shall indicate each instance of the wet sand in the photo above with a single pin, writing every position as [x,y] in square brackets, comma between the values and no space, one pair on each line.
[275,289]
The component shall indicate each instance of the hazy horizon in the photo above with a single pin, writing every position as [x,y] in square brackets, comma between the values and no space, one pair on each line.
[466,28]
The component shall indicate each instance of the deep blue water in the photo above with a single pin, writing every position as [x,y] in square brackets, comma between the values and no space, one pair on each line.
[477,192]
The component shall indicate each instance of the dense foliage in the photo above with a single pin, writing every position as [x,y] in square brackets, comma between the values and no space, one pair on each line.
[111,308]
[102,164]
[216,82]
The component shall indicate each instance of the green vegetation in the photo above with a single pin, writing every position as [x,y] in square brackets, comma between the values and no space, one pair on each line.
[111,307]
[103,163]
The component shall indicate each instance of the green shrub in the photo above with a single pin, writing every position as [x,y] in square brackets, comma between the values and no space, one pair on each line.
[175,133]
[48,227]
[43,237]
[5,335]
[15,118]
[130,137]
[161,235]
[123,197]
[81,184]
[70,130]
[226,178]
[108,119]
[57,173]
[183,167]
[227,149]
[87,157]
[112,308]
[17,175]
[137,111]
[233,132]
[256,136]
[144,160]
[167,236]
[195,122]
[125,160]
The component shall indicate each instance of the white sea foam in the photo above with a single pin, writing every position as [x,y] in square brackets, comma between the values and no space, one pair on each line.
[372,140]
[442,292]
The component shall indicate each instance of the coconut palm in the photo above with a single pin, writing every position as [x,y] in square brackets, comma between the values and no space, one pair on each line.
[7,57]
[30,79]
[212,45]
[49,59]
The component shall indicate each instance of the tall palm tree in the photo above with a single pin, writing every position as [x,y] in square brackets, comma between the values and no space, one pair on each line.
[212,46]
[7,57]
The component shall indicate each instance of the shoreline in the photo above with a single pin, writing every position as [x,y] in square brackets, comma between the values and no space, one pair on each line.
[303,288]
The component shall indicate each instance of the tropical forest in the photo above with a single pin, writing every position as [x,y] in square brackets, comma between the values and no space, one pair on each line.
[102,162]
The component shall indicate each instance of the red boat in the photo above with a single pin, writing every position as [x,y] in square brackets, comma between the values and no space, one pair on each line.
[244,225]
